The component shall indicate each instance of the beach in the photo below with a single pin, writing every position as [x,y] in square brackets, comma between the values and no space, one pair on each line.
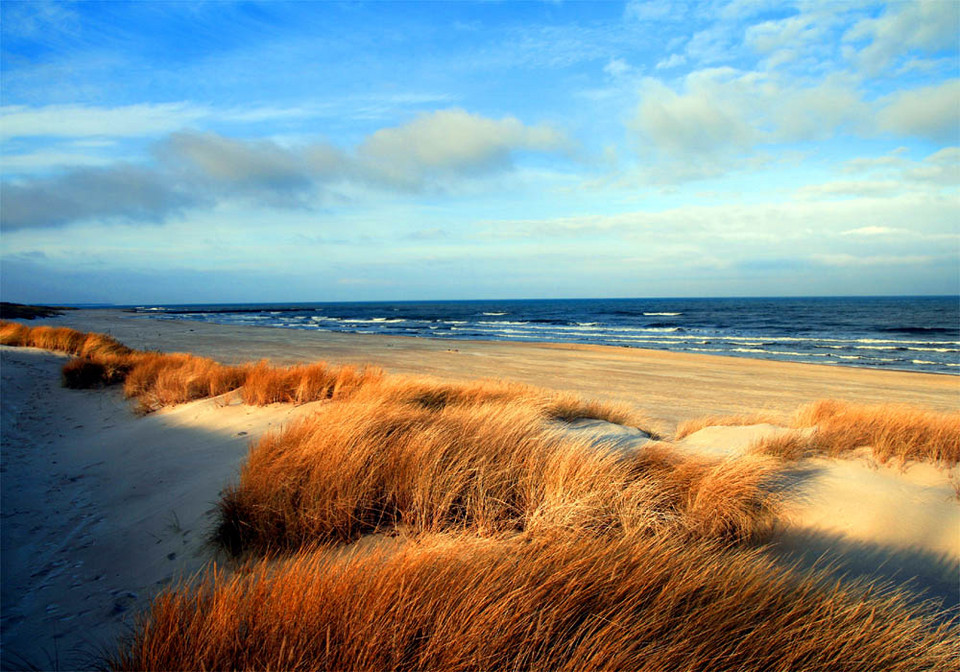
[668,386]
[102,508]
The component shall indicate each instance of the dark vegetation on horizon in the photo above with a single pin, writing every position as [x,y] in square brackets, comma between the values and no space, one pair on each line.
[415,524]
[20,311]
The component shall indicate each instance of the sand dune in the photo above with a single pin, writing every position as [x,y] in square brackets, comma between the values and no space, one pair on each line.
[101,507]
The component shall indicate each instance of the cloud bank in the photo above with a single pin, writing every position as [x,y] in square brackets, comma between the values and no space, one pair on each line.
[198,169]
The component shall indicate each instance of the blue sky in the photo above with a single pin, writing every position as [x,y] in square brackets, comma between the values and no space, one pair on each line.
[234,152]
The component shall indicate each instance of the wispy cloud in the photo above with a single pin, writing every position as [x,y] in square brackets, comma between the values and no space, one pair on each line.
[923,25]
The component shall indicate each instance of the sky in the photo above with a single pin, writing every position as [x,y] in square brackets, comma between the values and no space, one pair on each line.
[178,152]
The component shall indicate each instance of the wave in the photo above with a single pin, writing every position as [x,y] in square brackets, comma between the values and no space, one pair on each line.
[495,313]
[663,314]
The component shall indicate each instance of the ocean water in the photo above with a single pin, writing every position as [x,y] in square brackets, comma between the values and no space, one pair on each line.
[906,333]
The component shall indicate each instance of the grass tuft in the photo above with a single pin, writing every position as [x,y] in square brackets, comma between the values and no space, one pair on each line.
[833,427]
[560,602]
[894,431]
[361,466]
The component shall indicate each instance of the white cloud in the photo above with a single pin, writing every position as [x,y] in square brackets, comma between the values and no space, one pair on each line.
[439,150]
[235,161]
[617,67]
[654,10]
[450,143]
[872,231]
[931,112]
[153,119]
[893,175]
[709,117]
[45,160]
[924,25]
[675,60]
[852,260]
[815,112]
[770,36]
[850,188]
[722,110]
[80,121]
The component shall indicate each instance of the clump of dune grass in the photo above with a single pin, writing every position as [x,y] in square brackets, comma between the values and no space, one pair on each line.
[556,602]
[159,379]
[61,339]
[893,431]
[92,372]
[14,333]
[435,394]
[267,384]
[833,427]
[367,464]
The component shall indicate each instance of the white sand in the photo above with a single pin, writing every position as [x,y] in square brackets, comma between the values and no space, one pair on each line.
[900,523]
[101,508]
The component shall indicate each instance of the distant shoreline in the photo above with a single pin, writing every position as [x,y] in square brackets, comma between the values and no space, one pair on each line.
[669,386]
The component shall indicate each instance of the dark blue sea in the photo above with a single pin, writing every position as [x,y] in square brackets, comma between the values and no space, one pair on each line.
[907,333]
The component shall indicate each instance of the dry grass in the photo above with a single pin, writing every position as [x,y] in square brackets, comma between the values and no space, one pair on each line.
[61,339]
[530,549]
[161,379]
[833,427]
[266,384]
[892,430]
[556,602]
[156,380]
[372,463]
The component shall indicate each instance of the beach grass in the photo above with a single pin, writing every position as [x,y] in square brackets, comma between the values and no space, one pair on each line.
[156,379]
[551,601]
[365,465]
[410,523]
[834,427]
[893,431]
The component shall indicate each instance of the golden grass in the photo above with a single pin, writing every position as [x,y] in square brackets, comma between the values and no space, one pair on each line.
[161,379]
[266,384]
[61,339]
[833,427]
[530,548]
[156,380]
[893,430]
[558,602]
[369,463]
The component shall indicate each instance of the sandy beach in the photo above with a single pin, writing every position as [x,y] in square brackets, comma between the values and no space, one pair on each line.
[101,508]
[668,386]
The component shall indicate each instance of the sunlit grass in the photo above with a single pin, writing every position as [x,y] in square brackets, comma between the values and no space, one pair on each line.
[557,601]
[834,427]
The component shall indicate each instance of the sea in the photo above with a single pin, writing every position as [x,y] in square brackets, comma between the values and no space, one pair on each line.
[919,333]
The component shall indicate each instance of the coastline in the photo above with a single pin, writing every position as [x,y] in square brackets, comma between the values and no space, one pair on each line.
[669,386]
